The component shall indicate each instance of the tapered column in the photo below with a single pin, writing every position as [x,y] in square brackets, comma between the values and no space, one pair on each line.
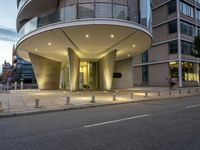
[47,72]
[106,69]
[74,66]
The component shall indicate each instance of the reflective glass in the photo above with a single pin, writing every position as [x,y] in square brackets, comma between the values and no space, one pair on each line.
[120,12]
[86,11]
[103,10]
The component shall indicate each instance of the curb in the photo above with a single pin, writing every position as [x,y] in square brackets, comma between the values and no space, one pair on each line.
[94,105]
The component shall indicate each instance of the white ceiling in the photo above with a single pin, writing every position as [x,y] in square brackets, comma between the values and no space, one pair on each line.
[95,47]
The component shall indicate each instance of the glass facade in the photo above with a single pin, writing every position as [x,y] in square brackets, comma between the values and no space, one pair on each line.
[186,9]
[72,10]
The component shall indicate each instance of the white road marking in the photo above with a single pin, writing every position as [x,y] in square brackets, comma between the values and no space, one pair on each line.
[193,106]
[115,121]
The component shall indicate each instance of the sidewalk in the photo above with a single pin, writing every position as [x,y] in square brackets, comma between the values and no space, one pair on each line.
[23,102]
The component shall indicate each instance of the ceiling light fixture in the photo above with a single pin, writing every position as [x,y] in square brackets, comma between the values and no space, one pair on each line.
[133,45]
[112,36]
[49,44]
[87,35]
[36,49]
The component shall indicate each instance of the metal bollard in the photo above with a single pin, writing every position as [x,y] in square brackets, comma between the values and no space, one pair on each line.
[67,100]
[146,94]
[131,95]
[7,86]
[180,91]
[158,93]
[1,106]
[15,85]
[170,92]
[37,103]
[22,85]
[114,97]
[93,99]
[188,91]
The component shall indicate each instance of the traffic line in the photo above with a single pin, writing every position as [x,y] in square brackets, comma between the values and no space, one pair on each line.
[115,121]
[192,106]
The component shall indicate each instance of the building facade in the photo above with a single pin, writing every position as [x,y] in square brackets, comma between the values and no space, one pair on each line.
[175,24]
[83,44]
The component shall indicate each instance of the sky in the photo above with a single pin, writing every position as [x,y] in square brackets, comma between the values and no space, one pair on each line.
[8,35]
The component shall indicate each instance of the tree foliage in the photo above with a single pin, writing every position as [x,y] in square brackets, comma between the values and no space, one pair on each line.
[197,45]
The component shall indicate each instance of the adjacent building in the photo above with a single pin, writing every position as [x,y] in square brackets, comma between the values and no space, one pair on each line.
[83,44]
[175,23]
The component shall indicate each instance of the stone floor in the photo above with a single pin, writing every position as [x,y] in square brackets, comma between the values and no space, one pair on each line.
[24,100]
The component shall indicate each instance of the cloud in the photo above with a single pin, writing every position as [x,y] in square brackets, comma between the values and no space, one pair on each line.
[8,34]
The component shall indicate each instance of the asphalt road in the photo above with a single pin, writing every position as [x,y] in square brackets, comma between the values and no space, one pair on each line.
[156,125]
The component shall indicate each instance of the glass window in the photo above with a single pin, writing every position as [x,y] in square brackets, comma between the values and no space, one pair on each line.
[107,1]
[86,1]
[188,71]
[120,12]
[171,6]
[187,48]
[68,13]
[172,26]
[103,10]
[86,11]
[146,13]
[173,47]
[123,2]
[145,57]
[198,31]
[198,14]
[186,9]
[173,69]
[145,73]
[133,15]
[187,28]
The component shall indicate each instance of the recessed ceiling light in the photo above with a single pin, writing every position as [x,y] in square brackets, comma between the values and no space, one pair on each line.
[87,35]
[112,36]
[134,45]
[49,44]
[36,49]
[129,55]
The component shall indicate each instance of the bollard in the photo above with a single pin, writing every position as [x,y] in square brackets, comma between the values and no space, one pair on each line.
[170,92]
[7,86]
[131,95]
[22,85]
[180,92]
[37,103]
[1,106]
[188,91]
[15,85]
[158,93]
[93,99]
[114,97]
[67,100]
[146,94]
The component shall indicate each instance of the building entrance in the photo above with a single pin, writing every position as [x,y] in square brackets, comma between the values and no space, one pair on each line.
[88,75]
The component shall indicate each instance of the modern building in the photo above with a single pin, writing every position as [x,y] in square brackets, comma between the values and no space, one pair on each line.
[83,44]
[175,23]
[23,71]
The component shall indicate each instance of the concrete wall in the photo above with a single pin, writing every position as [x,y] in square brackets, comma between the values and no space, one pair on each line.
[106,69]
[137,75]
[158,74]
[47,72]
[126,81]
[74,66]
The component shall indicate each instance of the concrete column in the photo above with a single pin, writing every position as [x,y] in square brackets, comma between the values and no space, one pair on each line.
[106,69]
[180,78]
[74,66]
[47,72]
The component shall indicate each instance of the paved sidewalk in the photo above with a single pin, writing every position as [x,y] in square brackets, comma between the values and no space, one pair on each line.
[23,102]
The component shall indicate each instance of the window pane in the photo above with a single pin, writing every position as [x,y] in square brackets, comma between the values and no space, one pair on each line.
[85,11]
[103,10]
[120,12]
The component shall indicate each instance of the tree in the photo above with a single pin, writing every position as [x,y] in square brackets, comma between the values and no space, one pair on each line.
[197,45]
